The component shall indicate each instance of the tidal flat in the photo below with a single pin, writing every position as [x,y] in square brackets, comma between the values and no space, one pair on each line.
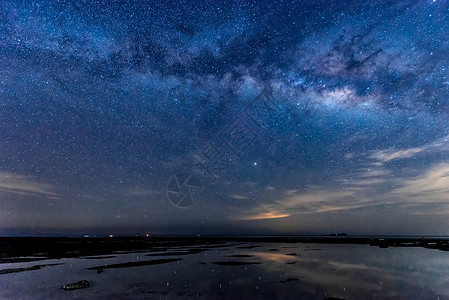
[223,268]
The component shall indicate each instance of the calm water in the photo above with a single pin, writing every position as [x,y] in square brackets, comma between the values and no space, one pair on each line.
[316,271]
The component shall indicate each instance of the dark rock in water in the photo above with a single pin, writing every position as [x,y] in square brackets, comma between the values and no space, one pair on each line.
[289,280]
[235,263]
[98,257]
[76,285]
[248,247]
[336,234]
[136,264]
[32,268]
[239,255]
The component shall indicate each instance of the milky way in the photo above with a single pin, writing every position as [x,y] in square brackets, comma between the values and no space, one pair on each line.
[102,103]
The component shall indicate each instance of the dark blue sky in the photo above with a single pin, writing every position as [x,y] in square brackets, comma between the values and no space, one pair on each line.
[287,117]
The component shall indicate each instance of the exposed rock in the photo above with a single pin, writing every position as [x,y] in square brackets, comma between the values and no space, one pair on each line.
[32,268]
[76,285]
[239,255]
[235,263]
[135,264]
[289,280]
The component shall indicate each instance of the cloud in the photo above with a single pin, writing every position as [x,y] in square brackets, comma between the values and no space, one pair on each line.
[426,193]
[266,215]
[23,185]
[290,192]
[365,177]
[386,155]
[432,186]
[293,204]
[238,197]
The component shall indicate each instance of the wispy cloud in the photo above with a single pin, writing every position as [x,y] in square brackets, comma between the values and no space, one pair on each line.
[424,194]
[24,185]
[265,215]
[238,197]
[270,188]
[432,186]
[290,192]
[376,173]
[390,154]
[294,204]
[364,178]
[386,155]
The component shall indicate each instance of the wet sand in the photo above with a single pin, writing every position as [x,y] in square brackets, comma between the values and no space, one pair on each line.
[135,264]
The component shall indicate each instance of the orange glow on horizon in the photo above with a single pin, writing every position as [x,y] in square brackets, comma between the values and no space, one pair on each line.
[268,215]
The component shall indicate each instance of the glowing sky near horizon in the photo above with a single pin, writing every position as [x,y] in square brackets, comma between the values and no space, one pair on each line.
[103,102]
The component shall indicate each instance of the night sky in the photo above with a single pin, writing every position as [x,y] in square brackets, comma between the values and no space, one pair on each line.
[224,117]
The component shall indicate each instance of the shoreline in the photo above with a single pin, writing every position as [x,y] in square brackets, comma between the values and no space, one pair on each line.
[20,249]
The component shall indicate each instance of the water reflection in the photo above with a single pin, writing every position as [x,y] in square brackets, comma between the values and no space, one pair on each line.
[271,271]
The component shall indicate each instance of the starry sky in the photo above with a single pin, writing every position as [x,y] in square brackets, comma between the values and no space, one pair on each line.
[262,117]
